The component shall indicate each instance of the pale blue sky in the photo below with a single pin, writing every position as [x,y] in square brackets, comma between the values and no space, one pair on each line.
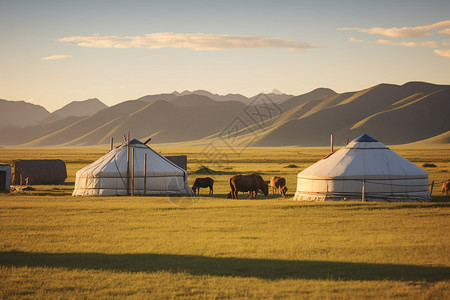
[54,52]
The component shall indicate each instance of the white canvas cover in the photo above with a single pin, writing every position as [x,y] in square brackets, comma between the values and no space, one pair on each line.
[108,175]
[385,175]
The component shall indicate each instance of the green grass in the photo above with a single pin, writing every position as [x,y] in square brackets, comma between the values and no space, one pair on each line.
[53,245]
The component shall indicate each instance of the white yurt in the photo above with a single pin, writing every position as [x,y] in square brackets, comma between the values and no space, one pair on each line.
[366,170]
[108,175]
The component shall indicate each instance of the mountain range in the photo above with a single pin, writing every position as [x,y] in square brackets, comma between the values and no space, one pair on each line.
[393,114]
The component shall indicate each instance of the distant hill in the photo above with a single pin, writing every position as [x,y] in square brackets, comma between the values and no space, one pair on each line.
[393,114]
[83,129]
[162,120]
[216,97]
[23,135]
[20,113]
[153,98]
[275,97]
[193,100]
[80,108]
[440,139]
[292,102]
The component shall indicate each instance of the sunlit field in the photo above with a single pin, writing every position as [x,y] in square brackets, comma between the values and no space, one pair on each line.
[55,245]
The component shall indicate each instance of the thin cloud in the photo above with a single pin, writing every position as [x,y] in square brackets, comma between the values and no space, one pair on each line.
[56,57]
[443,52]
[405,32]
[355,40]
[194,41]
[428,44]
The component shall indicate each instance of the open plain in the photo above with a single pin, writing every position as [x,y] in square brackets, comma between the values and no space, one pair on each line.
[53,245]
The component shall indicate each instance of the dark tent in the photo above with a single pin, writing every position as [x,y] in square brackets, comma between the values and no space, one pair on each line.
[38,171]
[5,178]
[179,160]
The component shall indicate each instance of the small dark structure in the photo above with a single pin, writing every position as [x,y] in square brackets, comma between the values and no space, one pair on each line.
[39,171]
[5,178]
[179,160]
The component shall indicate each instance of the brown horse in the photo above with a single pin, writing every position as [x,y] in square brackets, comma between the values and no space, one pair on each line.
[203,183]
[248,183]
[446,187]
[279,184]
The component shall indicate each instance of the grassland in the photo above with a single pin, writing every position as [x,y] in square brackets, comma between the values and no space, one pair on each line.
[53,245]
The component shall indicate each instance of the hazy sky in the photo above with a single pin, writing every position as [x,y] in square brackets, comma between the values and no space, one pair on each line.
[54,52]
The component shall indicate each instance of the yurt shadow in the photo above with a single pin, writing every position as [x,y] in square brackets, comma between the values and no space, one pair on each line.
[270,269]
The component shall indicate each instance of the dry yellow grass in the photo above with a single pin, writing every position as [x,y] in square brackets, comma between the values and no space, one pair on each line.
[53,245]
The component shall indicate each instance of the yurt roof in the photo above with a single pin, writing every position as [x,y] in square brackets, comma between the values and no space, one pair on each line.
[114,162]
[364,157]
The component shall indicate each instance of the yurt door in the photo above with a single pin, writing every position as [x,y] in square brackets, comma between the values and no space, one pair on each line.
[2,181]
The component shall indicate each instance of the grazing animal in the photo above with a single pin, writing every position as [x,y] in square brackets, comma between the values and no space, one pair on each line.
[446,187]
[248,183]
[279,184]
[203,183]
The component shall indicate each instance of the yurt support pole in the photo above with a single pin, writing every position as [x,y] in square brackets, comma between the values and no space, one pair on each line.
[132,172]
[363,190]
[128,167]
[432,186]
[145,173]
[111,146]
[331,143]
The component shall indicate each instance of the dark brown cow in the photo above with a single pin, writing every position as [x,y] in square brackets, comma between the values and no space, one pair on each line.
[279,184]
[446,187]
[203,183]
[248,183]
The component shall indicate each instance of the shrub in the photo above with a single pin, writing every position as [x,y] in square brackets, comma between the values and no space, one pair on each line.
[428,165]
[292,166]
